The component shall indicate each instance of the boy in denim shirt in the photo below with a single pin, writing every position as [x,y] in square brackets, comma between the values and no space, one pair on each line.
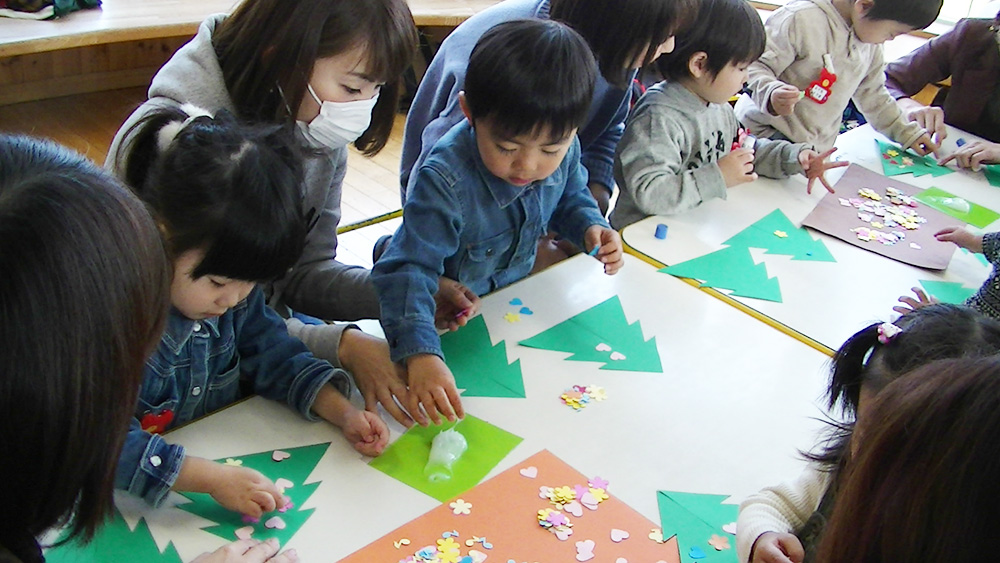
[489,189]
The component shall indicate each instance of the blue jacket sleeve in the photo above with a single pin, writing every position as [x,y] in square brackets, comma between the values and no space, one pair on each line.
[576,211]
[406,276]
[148,466]
[280,366]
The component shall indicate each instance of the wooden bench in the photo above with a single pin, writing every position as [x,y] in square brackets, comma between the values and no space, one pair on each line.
[125,41]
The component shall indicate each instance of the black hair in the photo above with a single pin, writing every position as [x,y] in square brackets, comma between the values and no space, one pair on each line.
[524,75]
[727,31]
[83,299]
[917,14]
[230,189]
[619,31]
[267,50]
[930,333]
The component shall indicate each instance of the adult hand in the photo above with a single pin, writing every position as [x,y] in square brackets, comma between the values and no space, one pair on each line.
[249,551]
[973,155]
[456,304]
[815,165]
[379,379]
[774,547]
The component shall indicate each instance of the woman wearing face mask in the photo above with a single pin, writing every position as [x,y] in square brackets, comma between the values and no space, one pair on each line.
[333,69]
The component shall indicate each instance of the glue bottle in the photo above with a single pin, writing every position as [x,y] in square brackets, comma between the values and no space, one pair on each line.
[447,447]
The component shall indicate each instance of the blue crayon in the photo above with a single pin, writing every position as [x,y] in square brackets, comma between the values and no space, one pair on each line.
[593,252]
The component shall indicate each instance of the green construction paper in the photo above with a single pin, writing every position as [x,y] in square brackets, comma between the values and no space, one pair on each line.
[978,215]
[114,542]
[296,469]
[731,268]
[405,458]
[694,518]
[479,366]
[601,324]
[921,164]
[948,292]
[798,243]
[982,259]
[992,172]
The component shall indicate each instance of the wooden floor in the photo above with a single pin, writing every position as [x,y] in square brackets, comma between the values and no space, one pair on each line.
[88,122]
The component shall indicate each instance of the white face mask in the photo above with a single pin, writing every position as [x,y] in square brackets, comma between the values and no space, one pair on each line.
[339,123]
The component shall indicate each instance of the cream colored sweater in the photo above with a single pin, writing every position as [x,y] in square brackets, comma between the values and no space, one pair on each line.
[798,35]
[783,508]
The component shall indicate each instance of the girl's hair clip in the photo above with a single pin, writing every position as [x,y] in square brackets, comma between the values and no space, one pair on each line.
[169,132]
[887,331]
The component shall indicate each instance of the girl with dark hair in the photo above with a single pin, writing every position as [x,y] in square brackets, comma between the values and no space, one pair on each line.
[78,249]
[624,36]
[227,199]
[331,69]
[782,524]
[923,486]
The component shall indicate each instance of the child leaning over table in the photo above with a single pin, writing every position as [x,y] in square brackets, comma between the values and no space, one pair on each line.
[489,189]
[823,53]
[678,149]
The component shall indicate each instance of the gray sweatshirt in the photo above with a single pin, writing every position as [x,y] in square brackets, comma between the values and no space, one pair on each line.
[667,161]
[318,284]
[798,35]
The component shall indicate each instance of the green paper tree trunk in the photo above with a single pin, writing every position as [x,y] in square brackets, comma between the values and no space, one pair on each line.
[114,542]
[601,324]
[479,366]
[296,469]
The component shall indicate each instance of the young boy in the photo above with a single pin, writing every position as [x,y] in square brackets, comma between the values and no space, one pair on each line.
[489,189]
[678,149]
[822,53]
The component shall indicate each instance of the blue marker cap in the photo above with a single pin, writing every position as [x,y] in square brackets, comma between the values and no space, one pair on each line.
[661,231]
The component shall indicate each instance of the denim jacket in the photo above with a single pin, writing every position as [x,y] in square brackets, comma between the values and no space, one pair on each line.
[465,223]
[201,366]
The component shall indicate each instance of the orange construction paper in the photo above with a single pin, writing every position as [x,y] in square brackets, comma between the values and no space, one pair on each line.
[504,511]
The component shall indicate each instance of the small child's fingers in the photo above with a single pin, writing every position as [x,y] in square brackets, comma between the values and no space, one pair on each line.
[442,404]
[427,402]
[836,164]
[264,500]
[413,407]
[455,400]
[826,184]
[901,309]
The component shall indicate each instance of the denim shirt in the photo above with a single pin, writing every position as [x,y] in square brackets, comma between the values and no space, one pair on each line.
[463,222]
[201,366]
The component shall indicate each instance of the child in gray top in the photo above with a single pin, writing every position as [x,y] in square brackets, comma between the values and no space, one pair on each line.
[678,149]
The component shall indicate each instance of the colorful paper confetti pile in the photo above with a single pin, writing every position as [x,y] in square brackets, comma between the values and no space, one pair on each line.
[579,396]
[899,214]
[448,549]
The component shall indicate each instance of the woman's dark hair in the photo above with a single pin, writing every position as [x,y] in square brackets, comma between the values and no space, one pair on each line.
[269,47]
[525,75]
[217,185]
[917,14]
[727,31]
[923,486]
[83,298]
[620,31]
[930,333]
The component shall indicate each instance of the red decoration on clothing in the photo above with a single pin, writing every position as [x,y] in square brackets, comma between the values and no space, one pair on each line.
[819,90]
[156,423]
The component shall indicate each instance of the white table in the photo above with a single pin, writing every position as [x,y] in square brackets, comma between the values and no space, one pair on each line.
[823,302]
[735,402]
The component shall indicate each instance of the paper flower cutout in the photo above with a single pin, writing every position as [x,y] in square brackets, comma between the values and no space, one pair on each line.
[460,507]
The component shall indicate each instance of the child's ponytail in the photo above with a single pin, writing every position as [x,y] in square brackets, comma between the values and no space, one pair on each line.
[849,366]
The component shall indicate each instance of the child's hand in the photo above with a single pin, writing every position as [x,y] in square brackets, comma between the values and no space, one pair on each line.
[910,304]
[930,118]
[774,547]
[924,145]
[432,386]
[249,551]
[737,167]
[783,99]
[974,154]
[609,244]
[245,490]
[456,304]
[366,432]
[814,165]
[961,237]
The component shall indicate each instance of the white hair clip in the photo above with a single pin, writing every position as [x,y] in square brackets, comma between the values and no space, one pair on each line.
[168,132]
[887,331]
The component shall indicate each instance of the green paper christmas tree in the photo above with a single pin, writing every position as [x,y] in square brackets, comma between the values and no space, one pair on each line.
[948,292]
[992,172]
[296,468]
[797,242]
[479,366]
[601,334]
[731,268]
[893,164]
[694,518]
[114,542]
